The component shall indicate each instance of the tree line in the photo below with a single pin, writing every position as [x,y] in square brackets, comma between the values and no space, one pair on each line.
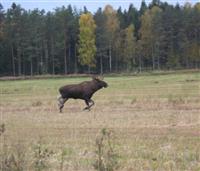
[66,40]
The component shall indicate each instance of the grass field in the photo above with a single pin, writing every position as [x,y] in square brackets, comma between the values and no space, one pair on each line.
[155,121]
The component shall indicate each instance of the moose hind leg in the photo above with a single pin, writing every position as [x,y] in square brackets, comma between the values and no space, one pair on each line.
[92,103]
[61,102]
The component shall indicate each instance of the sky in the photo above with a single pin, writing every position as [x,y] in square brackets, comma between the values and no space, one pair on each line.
[92,5]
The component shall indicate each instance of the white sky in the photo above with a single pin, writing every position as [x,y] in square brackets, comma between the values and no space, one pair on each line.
[92,5]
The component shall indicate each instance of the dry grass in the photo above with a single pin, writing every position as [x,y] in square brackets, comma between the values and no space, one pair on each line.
[155,120]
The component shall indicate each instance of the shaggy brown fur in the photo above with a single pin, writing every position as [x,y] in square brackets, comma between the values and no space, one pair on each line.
[83,91]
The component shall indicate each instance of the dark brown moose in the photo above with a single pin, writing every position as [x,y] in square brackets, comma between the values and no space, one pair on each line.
[83,91]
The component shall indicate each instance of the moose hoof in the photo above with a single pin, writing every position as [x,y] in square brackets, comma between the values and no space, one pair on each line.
[87,108]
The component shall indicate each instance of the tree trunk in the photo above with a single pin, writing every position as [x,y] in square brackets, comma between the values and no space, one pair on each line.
[37,61]
[13,60]
[101,63]
[110,58]
[19,61]
[52,53]
[133,63]
[69,56]
[23,63]
[41,64]
[140,64]
[65,54]
[158,56]
[116,62]
[158,63]
[75,60]
[187,62]
[31,62]
[127,67]
[46,57]
[153,58]
[196,64]
[42,58]
[153,63]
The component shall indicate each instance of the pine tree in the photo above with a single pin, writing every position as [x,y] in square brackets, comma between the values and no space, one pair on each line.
[148,34]
[101,39]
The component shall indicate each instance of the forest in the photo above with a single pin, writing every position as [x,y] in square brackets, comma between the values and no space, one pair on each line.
[66,40]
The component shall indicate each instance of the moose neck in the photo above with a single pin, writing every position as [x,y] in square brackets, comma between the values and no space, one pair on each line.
[96,85]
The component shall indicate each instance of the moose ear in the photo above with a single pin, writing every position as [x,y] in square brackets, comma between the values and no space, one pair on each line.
[97,77]
[101,77]
[93,77]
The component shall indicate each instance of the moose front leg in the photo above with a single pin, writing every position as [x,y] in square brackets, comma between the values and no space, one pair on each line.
[92,103]
[87,102]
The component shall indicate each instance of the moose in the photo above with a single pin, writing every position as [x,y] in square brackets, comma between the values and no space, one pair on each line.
[83,91]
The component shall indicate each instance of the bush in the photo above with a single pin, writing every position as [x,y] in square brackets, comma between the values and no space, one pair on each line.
[106,157]
[41,156]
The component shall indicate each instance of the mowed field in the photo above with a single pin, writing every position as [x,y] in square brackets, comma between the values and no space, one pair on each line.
[155,121]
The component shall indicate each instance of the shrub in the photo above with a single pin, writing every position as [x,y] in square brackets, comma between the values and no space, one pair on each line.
[41,156]
[106,157]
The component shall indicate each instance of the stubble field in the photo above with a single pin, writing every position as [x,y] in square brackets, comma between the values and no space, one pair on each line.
[154,120]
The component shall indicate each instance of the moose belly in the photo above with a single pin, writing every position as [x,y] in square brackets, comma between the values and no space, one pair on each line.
[75,95]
